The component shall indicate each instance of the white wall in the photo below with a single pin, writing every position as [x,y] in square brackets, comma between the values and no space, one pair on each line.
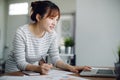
[12,23]
[97,32]
[2,25]
[66,6]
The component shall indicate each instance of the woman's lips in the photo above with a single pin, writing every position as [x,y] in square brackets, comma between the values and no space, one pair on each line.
[51,27]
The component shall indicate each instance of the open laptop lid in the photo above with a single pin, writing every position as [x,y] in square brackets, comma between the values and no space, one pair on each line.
[102,72]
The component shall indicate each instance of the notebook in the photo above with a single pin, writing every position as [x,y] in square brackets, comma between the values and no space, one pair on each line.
[101,72]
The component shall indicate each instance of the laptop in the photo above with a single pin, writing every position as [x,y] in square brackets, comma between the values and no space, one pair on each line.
[101,72]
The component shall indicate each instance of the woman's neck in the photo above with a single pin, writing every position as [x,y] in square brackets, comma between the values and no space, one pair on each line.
[37,30]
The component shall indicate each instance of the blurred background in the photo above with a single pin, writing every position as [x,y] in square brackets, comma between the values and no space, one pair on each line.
[92,25]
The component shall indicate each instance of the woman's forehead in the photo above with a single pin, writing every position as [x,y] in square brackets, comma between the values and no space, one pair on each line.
[53,13]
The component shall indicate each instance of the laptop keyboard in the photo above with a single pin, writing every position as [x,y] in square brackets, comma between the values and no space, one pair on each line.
[105,72]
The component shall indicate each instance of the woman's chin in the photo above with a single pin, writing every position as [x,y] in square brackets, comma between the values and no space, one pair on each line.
[50,31]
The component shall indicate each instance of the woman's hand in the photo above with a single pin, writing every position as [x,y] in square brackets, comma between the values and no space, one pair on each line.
[86,68]
[44,68]
[76,69]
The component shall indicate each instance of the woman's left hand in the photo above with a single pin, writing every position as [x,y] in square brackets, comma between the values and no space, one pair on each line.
[86,68]
[76,69]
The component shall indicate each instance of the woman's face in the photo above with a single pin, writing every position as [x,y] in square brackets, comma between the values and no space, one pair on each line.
[48,23]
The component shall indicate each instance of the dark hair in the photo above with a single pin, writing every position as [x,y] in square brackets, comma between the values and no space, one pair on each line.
[43,7]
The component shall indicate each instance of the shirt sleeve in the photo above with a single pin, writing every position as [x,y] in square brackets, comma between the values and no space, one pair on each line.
[19,49]
[54,51]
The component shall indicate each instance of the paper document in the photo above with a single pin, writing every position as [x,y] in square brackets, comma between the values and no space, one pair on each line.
[31,73]
[65,77]
[52,75]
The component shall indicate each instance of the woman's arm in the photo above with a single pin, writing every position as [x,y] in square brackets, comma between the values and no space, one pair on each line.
[76,69]
[65,66]
[19,49]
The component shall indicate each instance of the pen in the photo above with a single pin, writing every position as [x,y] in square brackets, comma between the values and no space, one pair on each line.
[43,59]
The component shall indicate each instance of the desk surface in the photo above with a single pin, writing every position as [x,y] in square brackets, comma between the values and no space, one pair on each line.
[91,78]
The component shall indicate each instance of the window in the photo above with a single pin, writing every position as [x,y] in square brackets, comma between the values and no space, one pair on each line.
[65,27]
[18,8]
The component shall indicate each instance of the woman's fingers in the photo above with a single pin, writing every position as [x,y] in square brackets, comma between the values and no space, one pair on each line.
[86,68]
[77,69]
[45,68]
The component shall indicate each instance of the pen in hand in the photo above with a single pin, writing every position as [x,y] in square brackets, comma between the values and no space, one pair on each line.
[45,67]
[43,61]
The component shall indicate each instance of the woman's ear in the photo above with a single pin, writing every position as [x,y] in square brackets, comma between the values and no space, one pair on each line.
[38,17]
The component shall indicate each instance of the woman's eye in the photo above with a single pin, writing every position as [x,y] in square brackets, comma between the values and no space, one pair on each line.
[51,17]
[57,19]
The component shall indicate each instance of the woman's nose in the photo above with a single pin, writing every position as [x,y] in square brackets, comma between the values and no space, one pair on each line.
[54,23]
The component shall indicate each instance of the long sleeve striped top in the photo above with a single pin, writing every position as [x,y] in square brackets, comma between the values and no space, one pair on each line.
[28,49]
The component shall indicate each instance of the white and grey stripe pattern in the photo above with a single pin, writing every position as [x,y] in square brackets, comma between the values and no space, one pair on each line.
[28,49]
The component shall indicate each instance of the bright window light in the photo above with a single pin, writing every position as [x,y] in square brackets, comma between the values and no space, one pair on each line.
[18,8]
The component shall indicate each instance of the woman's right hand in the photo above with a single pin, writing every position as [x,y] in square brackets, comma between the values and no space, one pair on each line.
[44,68]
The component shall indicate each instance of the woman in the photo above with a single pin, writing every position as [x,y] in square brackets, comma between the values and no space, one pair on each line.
[36,39]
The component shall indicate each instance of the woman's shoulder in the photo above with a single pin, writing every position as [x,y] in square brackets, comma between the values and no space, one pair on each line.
[22,28]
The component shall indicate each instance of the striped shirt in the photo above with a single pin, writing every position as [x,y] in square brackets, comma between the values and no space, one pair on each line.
[28,49]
